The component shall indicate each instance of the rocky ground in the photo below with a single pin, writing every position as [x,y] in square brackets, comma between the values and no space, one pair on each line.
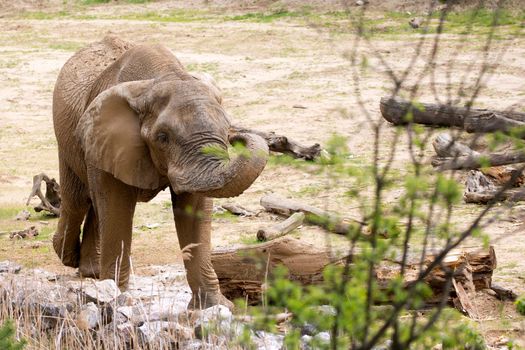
[152,313]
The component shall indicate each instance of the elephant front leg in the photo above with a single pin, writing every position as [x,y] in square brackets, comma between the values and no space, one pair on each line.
[74,206]
[90,247]
[114,203]
[193,222]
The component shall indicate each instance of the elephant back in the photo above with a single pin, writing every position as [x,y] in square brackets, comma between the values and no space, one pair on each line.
[77,76]
[71,95]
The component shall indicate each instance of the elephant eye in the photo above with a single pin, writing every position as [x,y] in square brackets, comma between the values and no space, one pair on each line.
[162,137]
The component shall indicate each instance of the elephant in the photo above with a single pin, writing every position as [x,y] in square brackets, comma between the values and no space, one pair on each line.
[130,121]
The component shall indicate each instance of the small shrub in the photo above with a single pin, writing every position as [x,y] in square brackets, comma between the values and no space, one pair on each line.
[520,304]
[7,337]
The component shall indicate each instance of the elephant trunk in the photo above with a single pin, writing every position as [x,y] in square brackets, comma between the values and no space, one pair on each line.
[228,178]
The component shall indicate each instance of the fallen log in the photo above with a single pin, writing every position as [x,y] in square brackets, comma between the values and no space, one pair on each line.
[478,161]
[280,229]
[399,111]
[305,264]
[283,144]
[253,263]
[234,209]
[283,206]
[50,202]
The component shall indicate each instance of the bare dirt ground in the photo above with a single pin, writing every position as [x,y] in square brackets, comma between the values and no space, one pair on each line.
[264,68]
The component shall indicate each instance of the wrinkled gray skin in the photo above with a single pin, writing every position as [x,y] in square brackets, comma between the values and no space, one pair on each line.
[130,122]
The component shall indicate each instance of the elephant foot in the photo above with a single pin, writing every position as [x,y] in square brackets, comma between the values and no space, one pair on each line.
[69,257]
[206,300]
[89,270]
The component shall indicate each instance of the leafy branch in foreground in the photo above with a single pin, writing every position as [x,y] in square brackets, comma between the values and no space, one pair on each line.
[354,306]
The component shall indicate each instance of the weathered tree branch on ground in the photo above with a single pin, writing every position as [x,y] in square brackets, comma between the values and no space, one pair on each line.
[280,229]
[396,111]
[234,209]
[283,206]
[445,146]
[305,264]
[51,200]
[282,144]
[480,189]
[478,161]
[451,150]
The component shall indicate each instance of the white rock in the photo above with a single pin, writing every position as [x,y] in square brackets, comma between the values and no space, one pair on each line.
[88,317]
[99,292]
[268,341]
[322,337]
[127,311]
[216,312]
[213,320]
[150,331]
[305,342]
[9,267]
[194,344]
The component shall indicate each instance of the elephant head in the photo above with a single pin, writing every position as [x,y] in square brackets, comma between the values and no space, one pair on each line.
[150,132]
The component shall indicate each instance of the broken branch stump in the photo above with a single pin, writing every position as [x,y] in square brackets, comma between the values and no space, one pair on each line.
[283,206]
[396,110]
[51,201]
[481,189]
[283,144]
[305,264]
[280,229]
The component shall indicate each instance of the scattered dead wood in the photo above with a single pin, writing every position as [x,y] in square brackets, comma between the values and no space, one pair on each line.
[234,209]
[451,150]
[396,110]
[446,146]
[504,293]
[51,200]
[283,206]
[472,269]
[280,229]
[282,144]
[481,189]
[478,161]
[27,233]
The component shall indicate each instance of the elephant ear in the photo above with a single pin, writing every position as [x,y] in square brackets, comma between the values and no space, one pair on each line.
[109,131]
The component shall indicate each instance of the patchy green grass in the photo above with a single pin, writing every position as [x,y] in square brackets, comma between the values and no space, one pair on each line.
[178,15]
[66,46]
[9,212]
[98,2]
[266,17]
[208,67]
[46,233]
[9,63]
[41,15]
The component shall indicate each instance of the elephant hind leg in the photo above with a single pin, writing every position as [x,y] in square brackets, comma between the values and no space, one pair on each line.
[90,247]
[73,209]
